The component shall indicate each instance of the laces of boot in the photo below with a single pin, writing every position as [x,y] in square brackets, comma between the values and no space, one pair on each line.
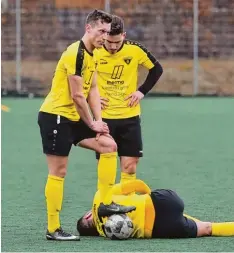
[63,233]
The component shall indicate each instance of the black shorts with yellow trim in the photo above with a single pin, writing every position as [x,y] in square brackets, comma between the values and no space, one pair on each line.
[169,221]
[58,133]
[127,135]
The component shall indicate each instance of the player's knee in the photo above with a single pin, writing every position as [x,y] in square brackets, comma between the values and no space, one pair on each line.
[62,172]
[204,228]
[208,228]
[59,170]
[107,145]
[112,146]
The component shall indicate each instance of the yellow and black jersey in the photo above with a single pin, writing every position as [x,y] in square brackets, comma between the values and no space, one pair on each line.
[75,60]
[118,77]
[142,218]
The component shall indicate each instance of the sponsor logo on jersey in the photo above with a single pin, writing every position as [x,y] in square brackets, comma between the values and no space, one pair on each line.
[127,59]
[103,61]
[115,82]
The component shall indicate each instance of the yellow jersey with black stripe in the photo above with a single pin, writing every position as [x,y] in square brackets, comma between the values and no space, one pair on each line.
[75,60]
[142,218]
[118,77]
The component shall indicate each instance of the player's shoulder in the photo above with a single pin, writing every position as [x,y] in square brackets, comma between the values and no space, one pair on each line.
[97,52]
[74,47]
[135,45]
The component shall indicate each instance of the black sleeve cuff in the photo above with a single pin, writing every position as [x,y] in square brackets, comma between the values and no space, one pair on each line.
[152,78]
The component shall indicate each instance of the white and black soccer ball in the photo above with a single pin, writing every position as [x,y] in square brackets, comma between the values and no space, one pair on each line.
[118,227]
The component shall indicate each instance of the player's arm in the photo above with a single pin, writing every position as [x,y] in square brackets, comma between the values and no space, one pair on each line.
[76,89]
[132,186]
[94,99]
[74,63]
[146,59]
[152,78]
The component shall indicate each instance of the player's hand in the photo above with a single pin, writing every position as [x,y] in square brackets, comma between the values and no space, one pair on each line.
[104,102]
[134,98]
[107,135]
[100,127]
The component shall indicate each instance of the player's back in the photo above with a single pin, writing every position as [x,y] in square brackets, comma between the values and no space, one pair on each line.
[118,77]
[75,60]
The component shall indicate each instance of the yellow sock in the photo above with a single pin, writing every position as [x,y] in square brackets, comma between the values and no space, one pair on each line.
[54,199]
[125,177]
[107,167]
[190,217]
[223,229]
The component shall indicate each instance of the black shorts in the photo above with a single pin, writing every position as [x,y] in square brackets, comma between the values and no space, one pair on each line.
[127,135]
[169,221]
[59,133]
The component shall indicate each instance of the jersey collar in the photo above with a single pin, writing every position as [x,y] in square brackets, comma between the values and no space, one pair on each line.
[83,45]
[119,48]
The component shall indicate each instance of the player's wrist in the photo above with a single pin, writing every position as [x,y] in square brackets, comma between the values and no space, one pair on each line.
[142,91]
[98,119]
[91,124]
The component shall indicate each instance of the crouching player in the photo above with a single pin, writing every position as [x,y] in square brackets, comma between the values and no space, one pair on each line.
[158,214]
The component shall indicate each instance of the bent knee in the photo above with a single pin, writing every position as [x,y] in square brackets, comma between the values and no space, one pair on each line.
[107,145]
[204,228]
[113,146]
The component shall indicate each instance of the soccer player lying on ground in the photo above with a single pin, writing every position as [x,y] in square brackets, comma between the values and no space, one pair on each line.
[65,120]
[117,71]
[158,214]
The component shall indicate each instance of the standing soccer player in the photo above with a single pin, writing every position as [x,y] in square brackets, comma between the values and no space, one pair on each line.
[117,71]
[65,119]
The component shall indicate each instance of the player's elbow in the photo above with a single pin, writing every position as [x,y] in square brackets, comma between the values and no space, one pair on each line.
[159,68]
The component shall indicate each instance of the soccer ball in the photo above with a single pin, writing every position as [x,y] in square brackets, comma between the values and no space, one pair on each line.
[118,227]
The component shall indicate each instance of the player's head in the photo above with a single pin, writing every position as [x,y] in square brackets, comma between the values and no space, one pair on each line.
[114,39]
[85,225]
[97,26]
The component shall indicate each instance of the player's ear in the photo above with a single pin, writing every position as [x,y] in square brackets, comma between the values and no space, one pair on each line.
[124,35]
[88,28]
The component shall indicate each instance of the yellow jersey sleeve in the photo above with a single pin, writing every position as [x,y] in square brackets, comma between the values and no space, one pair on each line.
[145,57]
[73,60]
[132,186]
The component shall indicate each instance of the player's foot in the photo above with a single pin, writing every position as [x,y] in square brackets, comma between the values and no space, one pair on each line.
[60,235]
[113,208]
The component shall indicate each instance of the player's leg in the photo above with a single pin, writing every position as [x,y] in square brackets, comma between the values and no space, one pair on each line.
[215,229]
[173,223]
[112,128]
[56,146]
[107,166]
[107,163]
[128,166]
[130,147]
[169,220]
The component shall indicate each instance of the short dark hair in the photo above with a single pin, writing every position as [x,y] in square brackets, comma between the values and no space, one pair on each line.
[117,26]
[96,15]
[84,231]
